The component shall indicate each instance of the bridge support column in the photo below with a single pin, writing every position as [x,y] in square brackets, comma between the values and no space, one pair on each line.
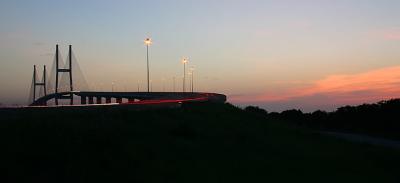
[72,99]
[131,100]
[119,100]
[91,100]
[83,100]
[108,100]
[98,100]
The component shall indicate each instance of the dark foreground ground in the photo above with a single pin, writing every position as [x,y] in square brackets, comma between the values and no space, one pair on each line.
[195,143]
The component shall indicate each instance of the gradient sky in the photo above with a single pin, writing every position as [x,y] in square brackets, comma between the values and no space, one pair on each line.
[281,54]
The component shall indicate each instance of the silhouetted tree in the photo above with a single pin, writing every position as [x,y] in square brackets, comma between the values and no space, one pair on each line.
[382,119]
[257,110]
[294,115]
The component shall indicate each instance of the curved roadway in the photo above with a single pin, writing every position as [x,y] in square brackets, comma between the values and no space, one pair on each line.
[143,97]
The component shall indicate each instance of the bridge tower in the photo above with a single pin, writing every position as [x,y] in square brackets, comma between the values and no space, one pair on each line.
[39,84]
[62,70]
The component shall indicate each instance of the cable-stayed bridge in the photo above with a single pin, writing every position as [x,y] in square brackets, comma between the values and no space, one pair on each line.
[66,82]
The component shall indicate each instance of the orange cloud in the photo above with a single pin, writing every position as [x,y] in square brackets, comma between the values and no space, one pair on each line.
[369,86]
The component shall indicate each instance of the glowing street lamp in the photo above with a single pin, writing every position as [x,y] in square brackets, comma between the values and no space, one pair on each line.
[184,61]
[148,42]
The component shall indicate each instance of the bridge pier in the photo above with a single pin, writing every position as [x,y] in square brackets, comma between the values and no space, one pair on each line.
[98,100]
[72,99]
[83,100]
[108,100]
[119,100]
[91,100]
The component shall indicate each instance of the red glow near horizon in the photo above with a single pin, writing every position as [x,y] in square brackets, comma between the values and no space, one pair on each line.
[369,86]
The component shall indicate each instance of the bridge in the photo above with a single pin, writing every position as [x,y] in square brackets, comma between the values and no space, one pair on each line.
[64,89]
[91,97]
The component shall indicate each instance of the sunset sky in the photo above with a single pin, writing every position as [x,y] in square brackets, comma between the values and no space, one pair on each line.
[278,54]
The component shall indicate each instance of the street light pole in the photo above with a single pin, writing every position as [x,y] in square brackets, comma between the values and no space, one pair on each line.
[192,73]
[148,70]
[184,61]
[147,42]
[190,81]
[151,86]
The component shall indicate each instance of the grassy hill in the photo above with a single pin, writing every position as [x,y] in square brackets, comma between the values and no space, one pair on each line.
[195,143]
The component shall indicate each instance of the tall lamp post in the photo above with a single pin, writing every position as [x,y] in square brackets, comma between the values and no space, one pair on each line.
[151,86]
[147,42]
[191,74]
[184,61]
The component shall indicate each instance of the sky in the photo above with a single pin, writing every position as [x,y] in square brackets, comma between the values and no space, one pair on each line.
[277,54]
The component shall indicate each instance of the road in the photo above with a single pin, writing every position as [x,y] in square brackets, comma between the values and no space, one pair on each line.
[364,139]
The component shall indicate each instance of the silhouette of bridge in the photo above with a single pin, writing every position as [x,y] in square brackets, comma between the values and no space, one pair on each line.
[69,86]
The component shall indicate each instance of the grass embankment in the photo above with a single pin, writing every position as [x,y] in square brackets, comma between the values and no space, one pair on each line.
[196,143]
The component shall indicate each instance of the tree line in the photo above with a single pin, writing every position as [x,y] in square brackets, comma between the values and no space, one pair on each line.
[378,119]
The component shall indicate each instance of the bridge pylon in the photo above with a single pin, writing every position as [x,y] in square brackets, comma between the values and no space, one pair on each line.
[38,84]
[64,70]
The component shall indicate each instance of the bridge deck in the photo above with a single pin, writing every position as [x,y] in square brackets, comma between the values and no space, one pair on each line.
[142,96]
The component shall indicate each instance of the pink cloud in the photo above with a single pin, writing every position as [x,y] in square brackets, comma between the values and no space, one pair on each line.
[369,86]
[392,34]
